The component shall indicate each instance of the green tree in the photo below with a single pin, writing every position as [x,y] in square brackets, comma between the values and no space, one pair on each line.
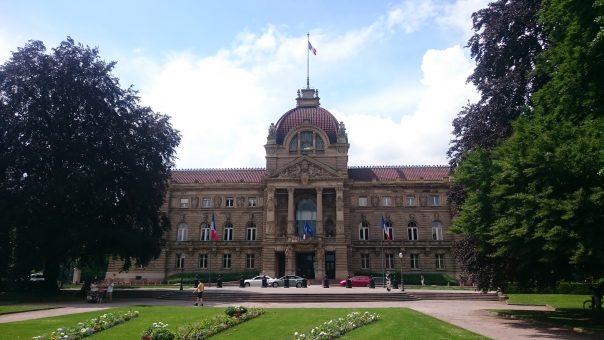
[84,167]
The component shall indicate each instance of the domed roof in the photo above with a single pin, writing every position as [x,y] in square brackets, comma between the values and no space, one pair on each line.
[307,111]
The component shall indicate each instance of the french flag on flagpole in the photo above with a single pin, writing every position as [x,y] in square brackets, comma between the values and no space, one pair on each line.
[213,232]
[312,49]
[386,233]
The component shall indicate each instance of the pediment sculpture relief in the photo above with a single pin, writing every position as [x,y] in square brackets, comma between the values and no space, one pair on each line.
[304,170]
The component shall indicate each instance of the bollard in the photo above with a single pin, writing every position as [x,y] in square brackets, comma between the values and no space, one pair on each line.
[285,282]
[241,282]
[371,283]
[304,283]
[348,282]
[264,283]
[394,284]
[325,283]
[219,282]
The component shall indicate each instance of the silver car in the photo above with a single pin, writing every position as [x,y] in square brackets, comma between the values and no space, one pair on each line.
[294,281]
[257,281]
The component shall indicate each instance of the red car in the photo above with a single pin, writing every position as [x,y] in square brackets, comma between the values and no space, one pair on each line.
[358,281]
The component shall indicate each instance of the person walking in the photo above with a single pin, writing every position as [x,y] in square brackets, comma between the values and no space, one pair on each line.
[110,291]
[199,290]
[388,281]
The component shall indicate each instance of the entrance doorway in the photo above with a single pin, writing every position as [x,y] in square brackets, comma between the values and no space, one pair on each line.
[305,265]
[330,264]
[280,261]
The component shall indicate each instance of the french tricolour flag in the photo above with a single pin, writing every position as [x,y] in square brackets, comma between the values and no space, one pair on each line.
[312,49]
[385,229]
[213,232]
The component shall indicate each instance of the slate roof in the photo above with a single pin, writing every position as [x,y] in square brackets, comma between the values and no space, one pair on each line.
[315,115]
[358,174]
[401,173]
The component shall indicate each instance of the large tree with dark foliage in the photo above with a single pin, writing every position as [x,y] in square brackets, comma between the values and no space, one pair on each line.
[507,41]
[84,167]
[536,200]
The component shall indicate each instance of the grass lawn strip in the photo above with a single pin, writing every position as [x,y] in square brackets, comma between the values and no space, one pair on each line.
[11,309]
[277,323]
[336,328]
[88,328]
[568,312]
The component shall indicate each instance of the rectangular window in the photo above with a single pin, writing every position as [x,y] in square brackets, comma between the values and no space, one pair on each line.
[184,202]
[435,200]
[362,201]
[204,234]
[251,232]
[180,261]
[365,261]
[364,231]
[229,202]
[412,233]
[440,261]
[206,202]
[437,231]
[226,261]
[228,232]
[203,261]
[411,201]
[250,261]
[252,202]
[387,201]
[389,260]
[414,261]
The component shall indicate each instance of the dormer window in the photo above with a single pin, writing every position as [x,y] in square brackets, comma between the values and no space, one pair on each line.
[306,142]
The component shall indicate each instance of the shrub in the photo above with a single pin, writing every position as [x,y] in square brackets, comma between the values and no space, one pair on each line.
[235,311]
[158,331]
[88,328]
[338,327]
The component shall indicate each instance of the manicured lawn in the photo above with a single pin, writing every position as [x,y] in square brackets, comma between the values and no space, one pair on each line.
[277,323]
[569,311]
[554,300]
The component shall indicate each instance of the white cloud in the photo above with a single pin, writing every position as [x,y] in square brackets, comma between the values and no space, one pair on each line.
[458,15]
[421,137]
[410,15]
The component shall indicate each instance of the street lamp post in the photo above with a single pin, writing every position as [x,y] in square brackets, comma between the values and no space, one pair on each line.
[400,255]
[182,268]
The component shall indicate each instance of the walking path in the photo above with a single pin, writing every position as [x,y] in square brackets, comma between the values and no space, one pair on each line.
[471,315]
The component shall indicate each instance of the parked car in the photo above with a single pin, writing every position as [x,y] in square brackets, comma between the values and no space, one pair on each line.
[358,281]
[294,281]
[257,281]
[36,277]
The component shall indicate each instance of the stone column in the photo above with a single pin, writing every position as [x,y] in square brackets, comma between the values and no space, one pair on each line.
[290,212]
[270,213]
[340,211]
[319,221]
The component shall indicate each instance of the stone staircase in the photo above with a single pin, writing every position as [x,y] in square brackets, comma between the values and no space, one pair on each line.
[297,297]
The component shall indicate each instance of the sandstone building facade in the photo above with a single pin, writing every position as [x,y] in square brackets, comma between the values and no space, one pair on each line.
[307,213]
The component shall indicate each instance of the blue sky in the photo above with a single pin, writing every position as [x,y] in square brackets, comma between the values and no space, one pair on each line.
[393,71]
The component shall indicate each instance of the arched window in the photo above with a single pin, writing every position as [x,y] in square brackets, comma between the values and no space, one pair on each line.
[364,231]
[204,232]
[412,231]
[182,232]
[437,231]
[250,234]
[388,233]
[228,232]
[180,261]
[306,214]
[306,142]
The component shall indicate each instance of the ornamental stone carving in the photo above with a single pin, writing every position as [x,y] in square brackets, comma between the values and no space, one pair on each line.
[304,170]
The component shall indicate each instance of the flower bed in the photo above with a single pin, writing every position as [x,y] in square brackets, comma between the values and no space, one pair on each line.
[204,329]
[87,328]
[338,327]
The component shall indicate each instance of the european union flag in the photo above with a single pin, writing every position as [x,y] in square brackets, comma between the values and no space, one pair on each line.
[307,230]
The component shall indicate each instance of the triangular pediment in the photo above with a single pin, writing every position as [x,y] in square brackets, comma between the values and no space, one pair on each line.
[305,168]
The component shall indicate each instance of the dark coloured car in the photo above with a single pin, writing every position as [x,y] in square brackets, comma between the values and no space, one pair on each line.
[358,281]
[294,281]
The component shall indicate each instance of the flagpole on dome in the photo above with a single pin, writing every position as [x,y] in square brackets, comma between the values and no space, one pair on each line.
[307,60]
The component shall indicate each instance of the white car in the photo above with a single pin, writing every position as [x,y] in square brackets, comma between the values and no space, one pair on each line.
[36,277]
[257,281]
